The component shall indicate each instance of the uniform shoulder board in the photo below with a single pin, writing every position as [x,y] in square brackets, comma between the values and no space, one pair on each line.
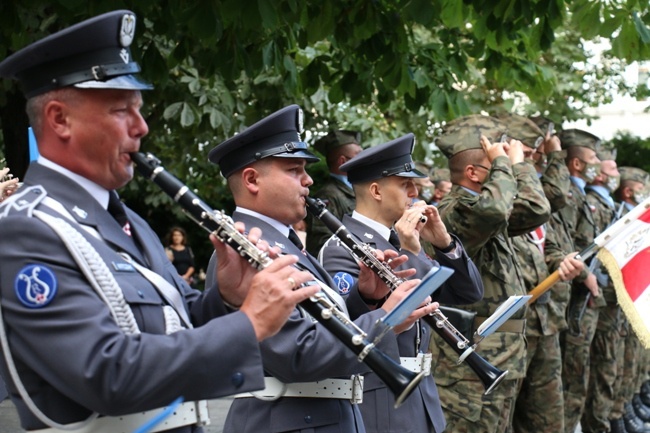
[23,201]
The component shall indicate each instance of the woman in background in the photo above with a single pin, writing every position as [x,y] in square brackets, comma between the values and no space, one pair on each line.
[180,254]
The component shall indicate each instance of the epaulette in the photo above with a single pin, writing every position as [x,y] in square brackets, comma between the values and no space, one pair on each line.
[24,201]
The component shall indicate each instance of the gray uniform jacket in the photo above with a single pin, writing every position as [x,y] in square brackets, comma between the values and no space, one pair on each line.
[71,355]
[422,409]
[304,351]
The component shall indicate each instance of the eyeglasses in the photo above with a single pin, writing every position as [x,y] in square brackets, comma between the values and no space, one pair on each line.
[482,166]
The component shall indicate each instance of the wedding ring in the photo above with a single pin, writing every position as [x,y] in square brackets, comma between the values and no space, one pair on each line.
[292,282]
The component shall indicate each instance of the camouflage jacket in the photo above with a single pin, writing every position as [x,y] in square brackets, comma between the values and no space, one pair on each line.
[511,201]
[339,199]
[556,181]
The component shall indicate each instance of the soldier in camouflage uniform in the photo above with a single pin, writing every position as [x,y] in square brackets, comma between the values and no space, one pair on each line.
[494,195]
[607,343]
[633,190]
[441,184]
[338,147]
[540,403]
[582,316]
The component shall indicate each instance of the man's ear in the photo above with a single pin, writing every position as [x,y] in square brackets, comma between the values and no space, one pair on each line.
[375,191]
[56,115]
[470,173]
[250,179]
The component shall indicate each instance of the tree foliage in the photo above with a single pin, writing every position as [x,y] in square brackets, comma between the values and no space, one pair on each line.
[385,67]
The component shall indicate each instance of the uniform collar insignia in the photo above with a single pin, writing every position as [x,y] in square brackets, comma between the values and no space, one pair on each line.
[80,212]
[280,245]
[368,235]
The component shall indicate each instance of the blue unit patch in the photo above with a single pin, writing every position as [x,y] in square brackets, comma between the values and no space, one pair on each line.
[344,282]
[35,286]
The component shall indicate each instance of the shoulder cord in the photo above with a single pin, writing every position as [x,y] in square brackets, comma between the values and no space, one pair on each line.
[102,281]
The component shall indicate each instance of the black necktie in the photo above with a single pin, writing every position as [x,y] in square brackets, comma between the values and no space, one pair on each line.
[394,240]
[295,239]
[116,209]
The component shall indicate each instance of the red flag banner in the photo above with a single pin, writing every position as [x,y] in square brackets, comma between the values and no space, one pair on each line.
[625,252]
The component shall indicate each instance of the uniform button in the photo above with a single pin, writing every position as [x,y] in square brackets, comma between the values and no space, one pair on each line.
[140,294]
[308,419]
[237,379]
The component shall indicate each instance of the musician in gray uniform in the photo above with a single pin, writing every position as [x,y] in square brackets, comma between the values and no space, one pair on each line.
[96,325]
[308,370]
[383,181]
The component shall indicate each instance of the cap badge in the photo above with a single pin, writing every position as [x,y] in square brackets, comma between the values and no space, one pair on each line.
[300,120]
[35,286]
[127,30]
[124,54]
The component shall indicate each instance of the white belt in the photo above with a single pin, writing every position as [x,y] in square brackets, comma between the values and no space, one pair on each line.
[345,389]
[420,363]
[188,413]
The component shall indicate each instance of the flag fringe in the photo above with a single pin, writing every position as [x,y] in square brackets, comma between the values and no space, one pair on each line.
[623,297]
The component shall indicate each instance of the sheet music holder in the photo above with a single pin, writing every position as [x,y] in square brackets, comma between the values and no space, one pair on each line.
[503,313]
[429,284]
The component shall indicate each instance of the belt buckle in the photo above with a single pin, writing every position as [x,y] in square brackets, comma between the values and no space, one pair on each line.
[425,363]
[357,389]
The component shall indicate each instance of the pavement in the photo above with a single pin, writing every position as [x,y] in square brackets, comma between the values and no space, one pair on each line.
[218,408]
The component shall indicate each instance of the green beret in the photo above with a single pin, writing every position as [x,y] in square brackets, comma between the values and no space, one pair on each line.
[334,139]
[523,129]
[465,132]
[578,137]
[635,174]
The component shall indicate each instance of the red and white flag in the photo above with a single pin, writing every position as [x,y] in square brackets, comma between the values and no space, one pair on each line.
[625,252]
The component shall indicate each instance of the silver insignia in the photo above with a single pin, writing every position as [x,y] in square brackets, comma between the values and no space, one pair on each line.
[80,212]
[301,118]
[127,30]
[124,54]
[368,235]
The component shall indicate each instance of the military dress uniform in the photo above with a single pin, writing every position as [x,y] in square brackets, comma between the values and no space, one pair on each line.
[304,363]
[421,412]
[511,202]
[85,326]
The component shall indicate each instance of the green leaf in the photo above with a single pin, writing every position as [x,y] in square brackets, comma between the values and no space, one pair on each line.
[172,110]
[641,28]
[269,14]
[187,115]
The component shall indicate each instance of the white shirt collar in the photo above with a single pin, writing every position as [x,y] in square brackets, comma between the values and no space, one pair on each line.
[274,223]
[99,193]
[379,228]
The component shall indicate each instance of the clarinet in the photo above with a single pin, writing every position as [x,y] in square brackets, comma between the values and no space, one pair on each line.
[399,380]
[437,321]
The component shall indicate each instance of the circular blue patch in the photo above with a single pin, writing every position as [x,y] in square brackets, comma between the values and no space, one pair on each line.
[35,286]
[344,282]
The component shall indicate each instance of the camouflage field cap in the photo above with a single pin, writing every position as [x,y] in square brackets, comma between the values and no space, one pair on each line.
[464,133]
[605,153]
[635,174]
[335,139]
[578,137]
[92,54]
[523,129]
[544,123]
[439,174]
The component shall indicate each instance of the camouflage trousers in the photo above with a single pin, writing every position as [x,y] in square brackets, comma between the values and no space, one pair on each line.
[490,413]
[607,350]
[539,406]
[628,374]
[575,368]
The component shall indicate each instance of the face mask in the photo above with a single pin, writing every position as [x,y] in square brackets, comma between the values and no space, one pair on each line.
[640,196]
[612,183]
[590,171]
[426,194]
